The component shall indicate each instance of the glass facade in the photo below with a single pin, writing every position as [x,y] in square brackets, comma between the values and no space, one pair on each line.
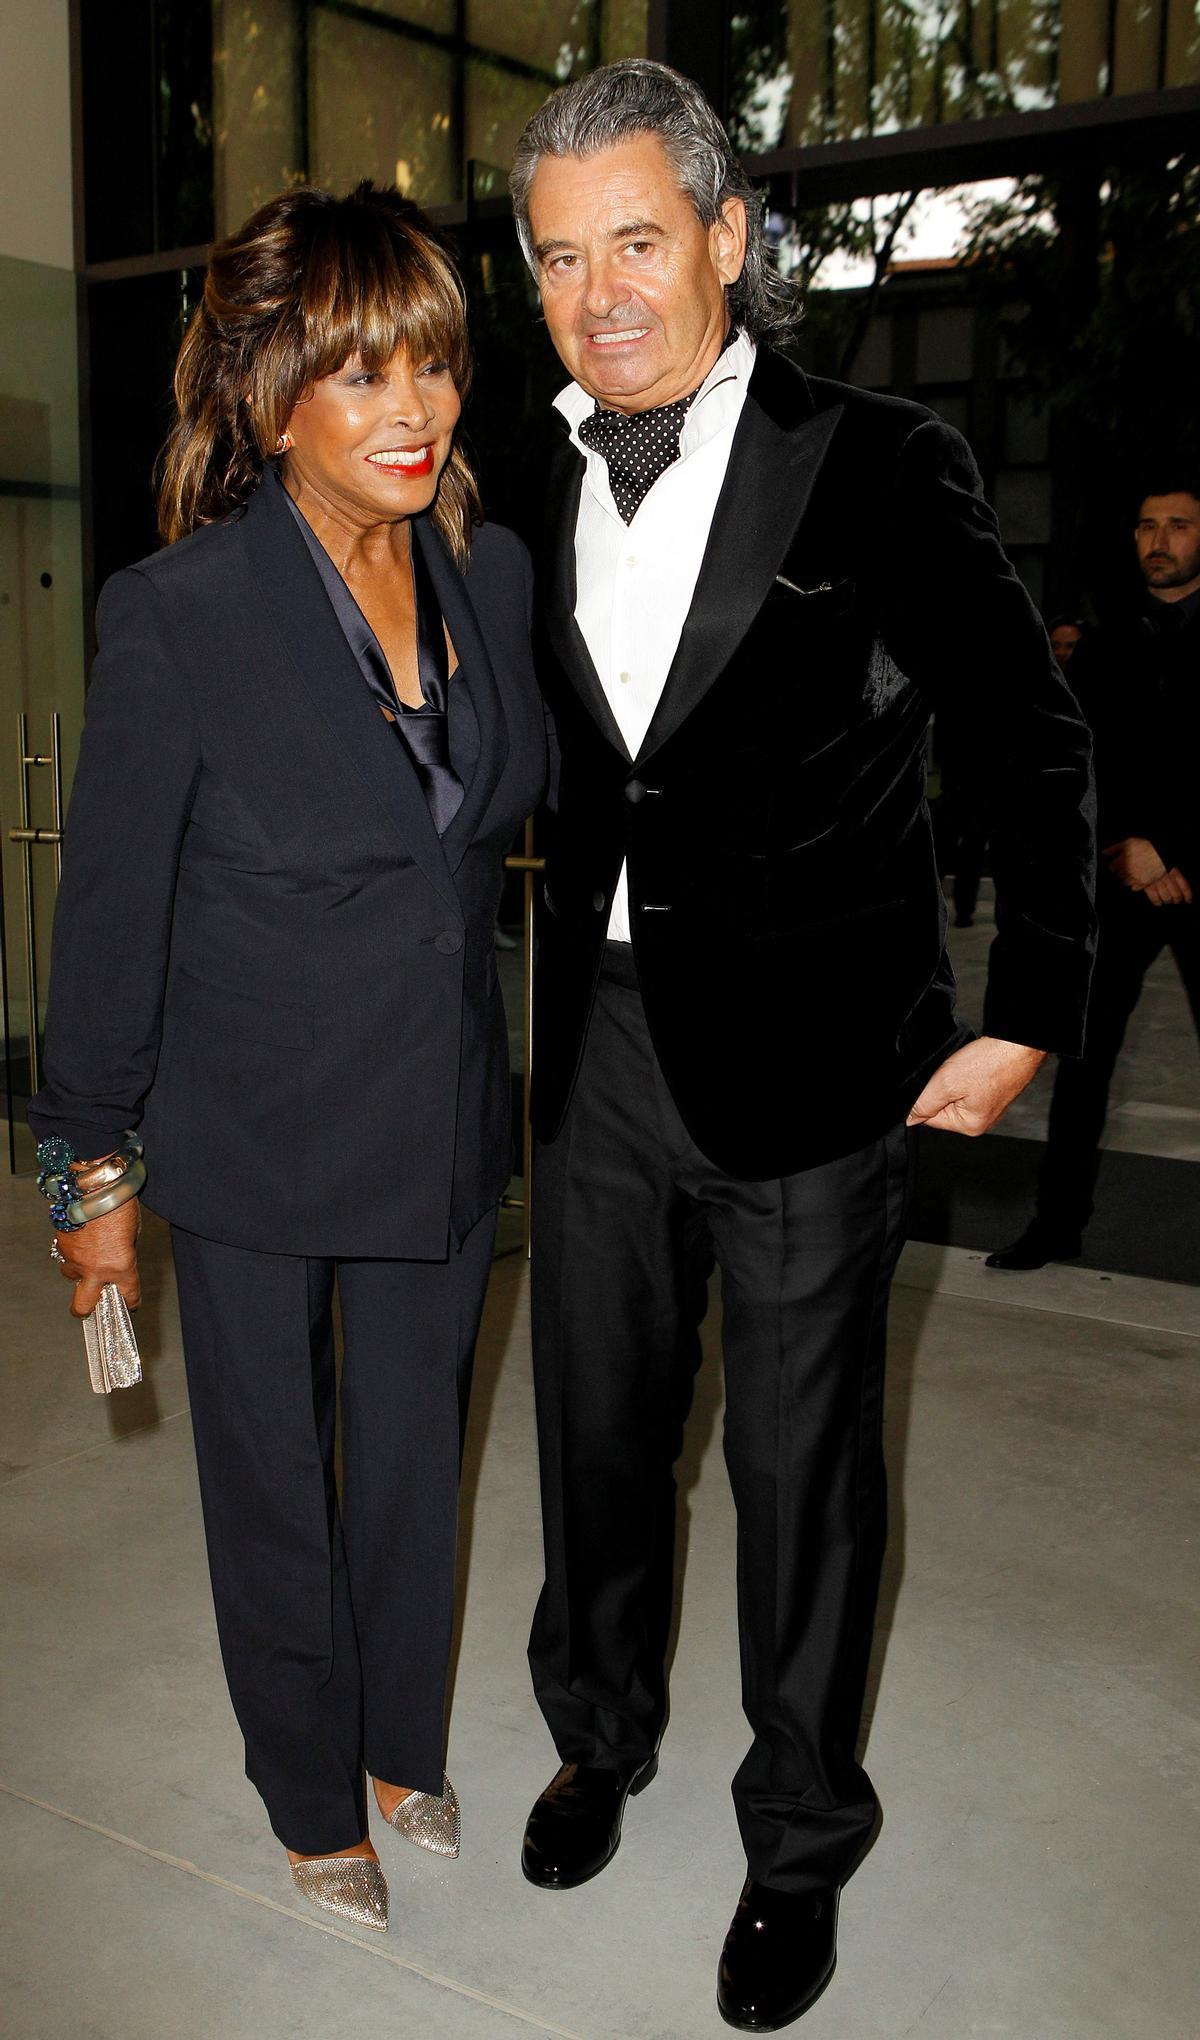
[427,94]
[146,132]
[41,641]
[811,71]
[196,111]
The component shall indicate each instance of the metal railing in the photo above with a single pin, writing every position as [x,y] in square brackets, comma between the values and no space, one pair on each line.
[29,838]
[529,865]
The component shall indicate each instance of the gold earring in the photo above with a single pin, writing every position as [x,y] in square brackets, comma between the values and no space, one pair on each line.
[284,441]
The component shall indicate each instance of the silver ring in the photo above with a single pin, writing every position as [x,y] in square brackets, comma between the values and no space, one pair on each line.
[56,1254]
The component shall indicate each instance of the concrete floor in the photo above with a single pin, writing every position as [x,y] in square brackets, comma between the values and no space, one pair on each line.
[1033,1738]
[1154,1106]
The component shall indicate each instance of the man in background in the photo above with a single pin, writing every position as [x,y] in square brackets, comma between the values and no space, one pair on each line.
[1138,683]
[1066,634]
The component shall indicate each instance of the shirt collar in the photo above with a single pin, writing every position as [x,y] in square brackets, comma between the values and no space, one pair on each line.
[734,365]
[1174,615]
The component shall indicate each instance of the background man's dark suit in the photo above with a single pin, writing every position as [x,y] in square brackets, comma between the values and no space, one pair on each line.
[788,945]
[1138,683]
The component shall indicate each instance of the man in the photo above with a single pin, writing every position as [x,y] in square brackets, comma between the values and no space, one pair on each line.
[1066,636]
[962,827]
[744,995]
[1138,684]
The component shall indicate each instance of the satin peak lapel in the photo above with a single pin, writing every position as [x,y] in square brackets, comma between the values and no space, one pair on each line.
[564,633]
[310,633]
[479,676]
[768,483]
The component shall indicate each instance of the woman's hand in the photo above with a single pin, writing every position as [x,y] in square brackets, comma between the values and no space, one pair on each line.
[104,1250]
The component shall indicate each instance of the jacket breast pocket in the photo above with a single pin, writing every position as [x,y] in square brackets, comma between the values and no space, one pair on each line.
[199,1003]
[818,598]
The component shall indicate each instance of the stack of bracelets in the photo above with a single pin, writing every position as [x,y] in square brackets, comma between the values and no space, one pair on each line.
[79,1191]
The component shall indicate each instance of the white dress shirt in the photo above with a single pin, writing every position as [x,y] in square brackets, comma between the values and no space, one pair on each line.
[635,581]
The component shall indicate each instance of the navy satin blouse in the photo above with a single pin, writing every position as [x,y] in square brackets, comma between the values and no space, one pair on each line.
[411,724]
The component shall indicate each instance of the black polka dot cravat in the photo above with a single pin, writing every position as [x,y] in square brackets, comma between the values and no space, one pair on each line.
[637,447]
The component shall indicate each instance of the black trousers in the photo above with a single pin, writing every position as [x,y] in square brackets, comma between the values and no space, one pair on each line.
[629,1216]
[1132,933]
[334,1623]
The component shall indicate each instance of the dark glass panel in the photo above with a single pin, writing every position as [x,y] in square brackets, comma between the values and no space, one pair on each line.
[183,49]
[134,329]
[116,41]
[146,67]
[509,423]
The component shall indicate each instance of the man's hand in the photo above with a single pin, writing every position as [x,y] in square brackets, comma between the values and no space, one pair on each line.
[975,1086]
[1134,862]
[1172,890]
[104,1250]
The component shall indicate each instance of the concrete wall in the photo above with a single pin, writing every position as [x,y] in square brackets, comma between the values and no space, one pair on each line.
[35,133]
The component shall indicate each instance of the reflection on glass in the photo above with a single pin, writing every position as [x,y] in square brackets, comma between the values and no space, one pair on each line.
[381,105]
[498,106]
[559,37]
[825,70]
[427,94]
[896,301]
[256,51]
[439,14]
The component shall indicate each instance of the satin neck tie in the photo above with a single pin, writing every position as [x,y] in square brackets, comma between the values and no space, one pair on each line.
[424,731]
[637,447]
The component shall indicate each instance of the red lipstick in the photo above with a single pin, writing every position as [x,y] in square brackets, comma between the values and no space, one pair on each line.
[413,470]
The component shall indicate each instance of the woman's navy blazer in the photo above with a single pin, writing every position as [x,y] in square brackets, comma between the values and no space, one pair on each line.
[264,956]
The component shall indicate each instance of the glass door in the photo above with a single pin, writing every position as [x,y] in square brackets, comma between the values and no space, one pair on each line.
[41,650]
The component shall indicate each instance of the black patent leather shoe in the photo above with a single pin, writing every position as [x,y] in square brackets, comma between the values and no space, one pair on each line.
[779,1954]
[574,1829]
[1038,1244]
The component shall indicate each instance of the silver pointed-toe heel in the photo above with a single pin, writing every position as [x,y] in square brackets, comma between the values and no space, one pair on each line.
[431,1823]
[353,1887]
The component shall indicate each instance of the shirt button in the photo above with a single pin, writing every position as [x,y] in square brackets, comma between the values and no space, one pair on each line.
[624,678]
[631,560]
[448,943]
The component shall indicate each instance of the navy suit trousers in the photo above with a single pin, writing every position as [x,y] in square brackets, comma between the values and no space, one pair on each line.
[334,1617]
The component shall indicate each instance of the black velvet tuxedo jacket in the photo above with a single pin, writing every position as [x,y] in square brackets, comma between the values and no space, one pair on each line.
[263,954]
[786,911]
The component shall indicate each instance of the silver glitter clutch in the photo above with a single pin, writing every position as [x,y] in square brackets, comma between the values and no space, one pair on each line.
[112,1351]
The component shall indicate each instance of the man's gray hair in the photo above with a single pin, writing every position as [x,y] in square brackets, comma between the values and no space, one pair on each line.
[638,97]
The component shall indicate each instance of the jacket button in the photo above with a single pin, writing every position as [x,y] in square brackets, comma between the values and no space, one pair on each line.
[448,943]
[635,791]
[599,902]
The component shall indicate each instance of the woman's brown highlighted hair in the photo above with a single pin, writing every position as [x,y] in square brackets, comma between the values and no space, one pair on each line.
[308,281]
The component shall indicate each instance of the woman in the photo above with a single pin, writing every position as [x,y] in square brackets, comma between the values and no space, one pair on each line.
[312,730]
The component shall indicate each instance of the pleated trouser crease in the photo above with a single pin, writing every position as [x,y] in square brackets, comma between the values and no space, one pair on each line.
[334,1622]
[629,1217]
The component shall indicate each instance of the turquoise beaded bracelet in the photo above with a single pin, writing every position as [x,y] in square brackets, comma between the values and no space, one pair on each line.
[69,1211]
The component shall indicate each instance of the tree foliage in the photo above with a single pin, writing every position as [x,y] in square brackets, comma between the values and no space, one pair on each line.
[1101,275]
